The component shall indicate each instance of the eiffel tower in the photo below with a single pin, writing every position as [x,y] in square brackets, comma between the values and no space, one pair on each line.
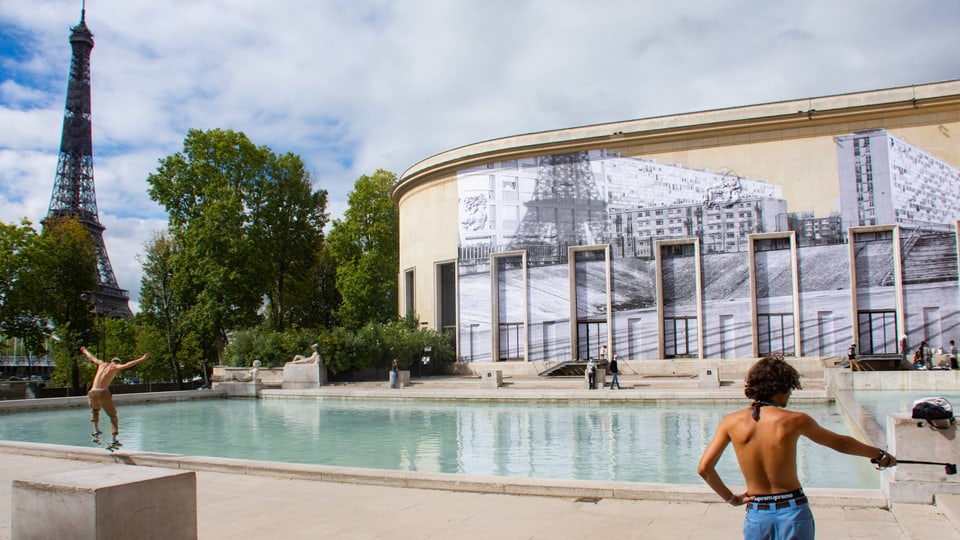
[566,209]
[73,192]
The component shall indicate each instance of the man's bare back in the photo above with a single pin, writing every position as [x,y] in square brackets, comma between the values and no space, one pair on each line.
[766,448]
[106,371]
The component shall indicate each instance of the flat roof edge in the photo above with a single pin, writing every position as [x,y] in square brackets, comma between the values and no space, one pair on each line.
[574,138]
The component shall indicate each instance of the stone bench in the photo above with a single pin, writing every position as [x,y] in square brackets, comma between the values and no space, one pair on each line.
[113,501]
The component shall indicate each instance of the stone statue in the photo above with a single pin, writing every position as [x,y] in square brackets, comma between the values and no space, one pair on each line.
[253,375]
[312,359]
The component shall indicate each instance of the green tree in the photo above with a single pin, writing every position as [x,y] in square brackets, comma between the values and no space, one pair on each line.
[69,265]
[164,301]
[189,361]
[242,219]
[312,295]
[288,227]
[207,189]
[365,245]
[23,292]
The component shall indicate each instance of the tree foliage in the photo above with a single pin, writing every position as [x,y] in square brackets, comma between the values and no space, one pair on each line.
[342,349]
[273,349]
[23,292]
[165,299]
[289,227]
[69,264]
[312,297]
[365,245]
[240,220]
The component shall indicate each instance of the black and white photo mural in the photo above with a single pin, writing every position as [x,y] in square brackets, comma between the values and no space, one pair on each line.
[562,254]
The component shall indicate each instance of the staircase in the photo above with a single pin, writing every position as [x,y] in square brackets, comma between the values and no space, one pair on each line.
[931,258]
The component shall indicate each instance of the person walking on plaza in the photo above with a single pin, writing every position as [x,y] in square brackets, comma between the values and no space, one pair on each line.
[99,395]
[952,352]
[764,437]
[614,369]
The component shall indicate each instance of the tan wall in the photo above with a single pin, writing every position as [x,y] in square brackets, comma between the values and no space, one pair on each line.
[428,235]
[802,161]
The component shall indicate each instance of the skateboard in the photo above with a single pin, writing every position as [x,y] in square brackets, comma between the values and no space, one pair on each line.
[110,447]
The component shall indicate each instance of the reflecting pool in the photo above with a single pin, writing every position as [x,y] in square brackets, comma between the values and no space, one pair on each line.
[880,403]
[642,442]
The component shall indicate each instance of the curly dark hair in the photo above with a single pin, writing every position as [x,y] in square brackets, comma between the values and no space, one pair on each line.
[771,375]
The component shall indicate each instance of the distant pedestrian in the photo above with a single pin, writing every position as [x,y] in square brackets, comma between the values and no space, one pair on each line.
[923,358]
[393,373]
[927,354]
[614,369]
[591,374]
[852,357]
[953,355]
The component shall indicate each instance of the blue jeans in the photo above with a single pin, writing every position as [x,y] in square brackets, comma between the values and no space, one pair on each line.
[791,523]
[615,382]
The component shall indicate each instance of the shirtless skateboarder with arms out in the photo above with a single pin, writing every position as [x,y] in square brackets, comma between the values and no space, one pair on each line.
[99,395]
[764,437]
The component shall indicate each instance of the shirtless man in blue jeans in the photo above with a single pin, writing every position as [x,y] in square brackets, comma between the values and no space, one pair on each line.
[99,395]
[764,437]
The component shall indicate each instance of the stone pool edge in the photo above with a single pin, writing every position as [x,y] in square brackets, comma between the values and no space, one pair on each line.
[592,489]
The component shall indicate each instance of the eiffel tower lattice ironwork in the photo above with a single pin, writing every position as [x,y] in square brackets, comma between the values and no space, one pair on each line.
[73,192]
[567,209]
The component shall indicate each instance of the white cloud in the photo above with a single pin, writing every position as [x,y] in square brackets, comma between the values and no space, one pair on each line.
[356,86]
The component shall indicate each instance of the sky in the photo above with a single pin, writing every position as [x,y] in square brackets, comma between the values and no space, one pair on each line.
[353,86]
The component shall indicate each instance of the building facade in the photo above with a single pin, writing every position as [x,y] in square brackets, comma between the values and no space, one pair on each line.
[795,227]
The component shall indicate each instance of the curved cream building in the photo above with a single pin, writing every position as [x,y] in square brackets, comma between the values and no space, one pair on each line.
[797,227]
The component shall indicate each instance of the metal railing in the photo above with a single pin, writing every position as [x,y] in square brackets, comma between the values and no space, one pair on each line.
[26,361]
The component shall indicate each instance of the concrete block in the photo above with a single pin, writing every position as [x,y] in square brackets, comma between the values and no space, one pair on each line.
[491,378]
[237,389]
[115,501]
[301,376]
[403,378]
[908,483]
[599,379]
[709,377]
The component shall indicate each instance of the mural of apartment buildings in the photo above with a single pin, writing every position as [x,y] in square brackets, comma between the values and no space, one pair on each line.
[602,197]
[884,179]
[649,201]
